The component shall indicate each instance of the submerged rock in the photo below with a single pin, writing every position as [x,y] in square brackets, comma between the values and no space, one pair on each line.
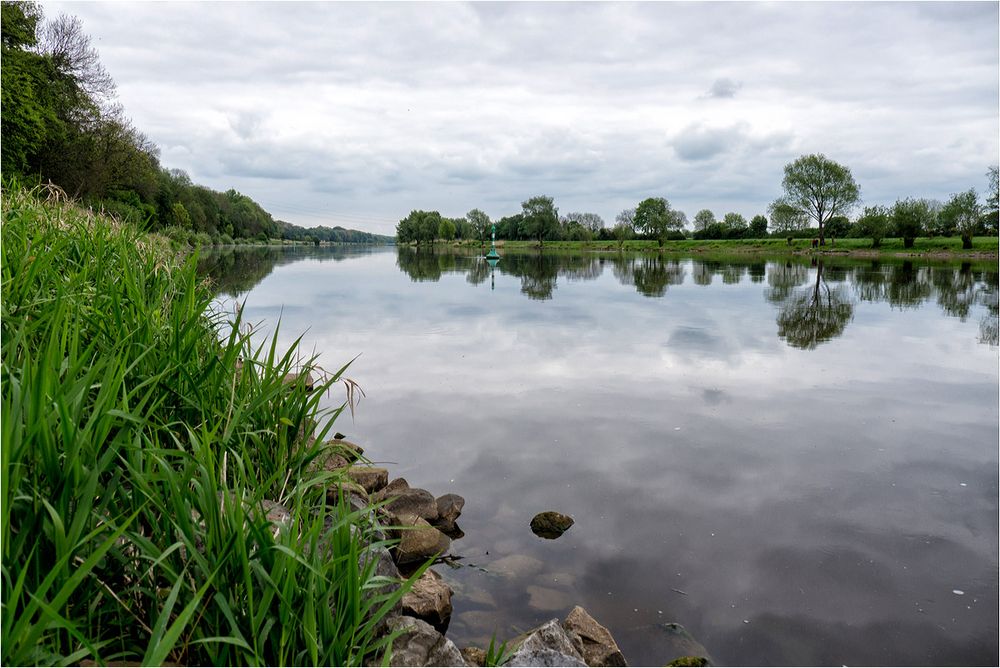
[550,524]
[596,644]
[681,645]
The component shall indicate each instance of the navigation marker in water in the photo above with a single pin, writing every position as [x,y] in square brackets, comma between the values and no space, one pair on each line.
[493,257]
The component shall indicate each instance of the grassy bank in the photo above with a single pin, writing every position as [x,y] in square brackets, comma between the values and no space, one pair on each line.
[933,246]
[139,456]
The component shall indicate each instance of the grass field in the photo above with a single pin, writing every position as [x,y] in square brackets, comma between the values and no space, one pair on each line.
[939,246]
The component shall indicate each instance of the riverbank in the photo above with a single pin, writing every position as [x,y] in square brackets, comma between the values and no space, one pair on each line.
[161,499]
[927,247]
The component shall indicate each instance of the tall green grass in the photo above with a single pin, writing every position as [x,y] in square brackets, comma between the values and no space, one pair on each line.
[141,436]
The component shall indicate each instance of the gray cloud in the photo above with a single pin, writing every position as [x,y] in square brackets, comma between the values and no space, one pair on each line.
[724,87]
[369,110]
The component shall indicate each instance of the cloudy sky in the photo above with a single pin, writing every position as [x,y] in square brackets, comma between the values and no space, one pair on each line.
[356,113]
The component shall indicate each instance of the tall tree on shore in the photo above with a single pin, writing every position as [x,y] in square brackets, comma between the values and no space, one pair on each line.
[962,213]
[821,188]
[540,217]
[656,218]
[480,223]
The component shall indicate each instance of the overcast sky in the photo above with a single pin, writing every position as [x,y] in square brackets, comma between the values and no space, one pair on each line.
[356,113]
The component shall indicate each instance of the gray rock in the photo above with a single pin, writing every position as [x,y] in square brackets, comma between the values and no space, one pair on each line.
[430,600]
[547,645]
[372,478]
[353,493]
[412,501]
[596,644]
[542,657]
[450,506]
[385,567]
[420,645]
[550,524]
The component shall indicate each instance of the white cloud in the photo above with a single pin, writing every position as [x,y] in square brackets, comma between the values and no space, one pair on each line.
[340,112]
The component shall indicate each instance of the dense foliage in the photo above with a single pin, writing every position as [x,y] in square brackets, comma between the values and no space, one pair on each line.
[143,442]
[61,124]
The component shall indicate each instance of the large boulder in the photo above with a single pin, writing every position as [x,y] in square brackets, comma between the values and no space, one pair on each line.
[550,524]
[372,478]
[595,642]
[419,541]
[419,644]
[547,645]
[430,600]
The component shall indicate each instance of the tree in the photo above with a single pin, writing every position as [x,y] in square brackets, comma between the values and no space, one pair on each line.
[786,217]
[626,217]
[758,227]
[735,226]
[589,221]
[991,218]
[821,188]
[540,217]
[962,213]
[480,223]
[621,232]
[446,229]
[703,219]
[910,218]
[838,226]
[655,218]
[874,223]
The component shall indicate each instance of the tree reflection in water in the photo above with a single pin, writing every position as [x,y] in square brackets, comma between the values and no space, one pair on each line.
[810,312]
[817,314]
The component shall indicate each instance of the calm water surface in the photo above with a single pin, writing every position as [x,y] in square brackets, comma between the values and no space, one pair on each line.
[807,451]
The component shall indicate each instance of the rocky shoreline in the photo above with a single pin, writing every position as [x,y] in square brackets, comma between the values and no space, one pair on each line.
[422,527]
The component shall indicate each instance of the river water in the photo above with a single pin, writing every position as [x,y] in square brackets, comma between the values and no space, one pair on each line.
[795,460]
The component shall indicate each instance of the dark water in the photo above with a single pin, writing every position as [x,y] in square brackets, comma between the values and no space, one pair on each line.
[808,451]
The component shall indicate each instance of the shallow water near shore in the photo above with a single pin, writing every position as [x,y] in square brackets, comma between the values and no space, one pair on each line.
[794,459]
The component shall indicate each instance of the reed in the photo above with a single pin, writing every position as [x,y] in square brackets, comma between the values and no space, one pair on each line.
[142,436]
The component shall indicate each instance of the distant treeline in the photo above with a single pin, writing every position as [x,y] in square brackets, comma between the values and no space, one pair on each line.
[819,195]
[62,124]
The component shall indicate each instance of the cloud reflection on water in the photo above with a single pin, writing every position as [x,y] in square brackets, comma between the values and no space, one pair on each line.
[824,493]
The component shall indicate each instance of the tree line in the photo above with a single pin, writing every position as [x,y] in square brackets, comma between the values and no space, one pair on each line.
[61,123]
[818,197]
